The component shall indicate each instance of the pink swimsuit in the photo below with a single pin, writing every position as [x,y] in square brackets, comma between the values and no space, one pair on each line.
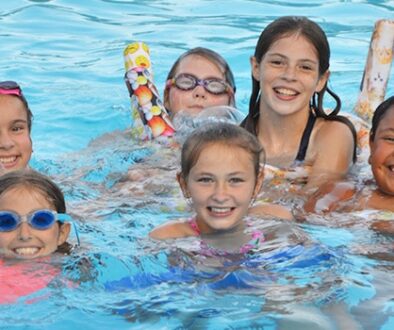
[257,238]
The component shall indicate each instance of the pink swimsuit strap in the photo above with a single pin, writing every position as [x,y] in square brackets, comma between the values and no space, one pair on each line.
[257,236]
[193,225]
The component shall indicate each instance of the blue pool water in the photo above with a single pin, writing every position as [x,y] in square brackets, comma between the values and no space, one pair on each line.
[67,56]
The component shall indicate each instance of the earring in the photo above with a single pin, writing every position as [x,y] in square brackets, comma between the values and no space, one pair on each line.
[252,201]
[189,201]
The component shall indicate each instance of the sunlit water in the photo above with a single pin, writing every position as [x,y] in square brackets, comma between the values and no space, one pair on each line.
[67,56]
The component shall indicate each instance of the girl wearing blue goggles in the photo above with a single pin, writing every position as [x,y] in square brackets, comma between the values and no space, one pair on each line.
[32,215]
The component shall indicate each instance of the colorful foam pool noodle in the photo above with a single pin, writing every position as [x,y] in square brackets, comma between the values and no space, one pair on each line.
[377,69]
[145,100]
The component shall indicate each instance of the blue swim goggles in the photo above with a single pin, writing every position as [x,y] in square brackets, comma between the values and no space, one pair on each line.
[39,219]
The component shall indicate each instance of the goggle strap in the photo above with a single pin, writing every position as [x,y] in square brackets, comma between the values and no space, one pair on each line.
[13,91]
[76,233]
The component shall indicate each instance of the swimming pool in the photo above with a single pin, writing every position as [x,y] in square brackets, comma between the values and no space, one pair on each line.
[67,56]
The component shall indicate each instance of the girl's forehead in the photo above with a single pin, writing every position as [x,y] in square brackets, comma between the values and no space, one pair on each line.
[387,120]
[292,38]
[21,196]
[200,63]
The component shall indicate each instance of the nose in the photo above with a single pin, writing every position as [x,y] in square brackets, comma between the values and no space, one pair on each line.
[199,92]
[220,194]
[6,141]
[24,232]
[290,72]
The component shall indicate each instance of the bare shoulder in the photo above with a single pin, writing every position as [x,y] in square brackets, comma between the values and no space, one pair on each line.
[333,130]
[172,229]
[274,210]
[331,152]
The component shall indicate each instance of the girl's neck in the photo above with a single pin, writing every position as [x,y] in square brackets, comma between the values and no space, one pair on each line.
[281,135]
[205,230]
[381,201]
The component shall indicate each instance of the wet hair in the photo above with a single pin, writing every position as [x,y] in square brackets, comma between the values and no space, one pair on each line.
[22,98]
[225,134]
[210,55]
[287,26]
[378,115]
[31,179]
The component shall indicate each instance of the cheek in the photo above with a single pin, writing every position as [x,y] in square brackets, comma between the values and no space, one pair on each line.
[6,239]
[219,100]
[25,143]
[176,100]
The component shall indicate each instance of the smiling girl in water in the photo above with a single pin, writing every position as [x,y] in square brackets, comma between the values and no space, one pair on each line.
[221,174]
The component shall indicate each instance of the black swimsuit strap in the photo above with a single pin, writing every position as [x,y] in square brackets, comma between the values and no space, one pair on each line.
[305,137]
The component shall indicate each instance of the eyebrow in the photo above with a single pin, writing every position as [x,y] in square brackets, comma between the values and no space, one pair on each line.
[19,121]
[284,56]
[206,78]
[385,130]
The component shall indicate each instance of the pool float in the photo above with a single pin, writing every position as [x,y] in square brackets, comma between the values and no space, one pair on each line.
[22,278]
[151,119]
[377,70]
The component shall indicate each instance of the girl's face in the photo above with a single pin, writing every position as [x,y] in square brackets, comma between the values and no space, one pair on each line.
[289,75]
[221,185]
[15,142]
[25,242]
[197,99]
[382,153]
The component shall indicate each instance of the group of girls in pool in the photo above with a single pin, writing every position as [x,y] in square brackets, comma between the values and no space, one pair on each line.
[222,164]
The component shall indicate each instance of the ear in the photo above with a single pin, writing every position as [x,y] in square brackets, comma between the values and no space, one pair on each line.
[322,81]
[64,231]
[255,68]
[371,148]
[259,182]
[182,184]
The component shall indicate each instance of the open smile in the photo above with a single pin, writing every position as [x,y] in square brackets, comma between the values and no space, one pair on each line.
[26,252]
[220,211]
[285,93]
[8,162]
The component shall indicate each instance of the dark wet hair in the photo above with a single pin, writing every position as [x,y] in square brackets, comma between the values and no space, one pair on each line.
[32,179]
[14,85]
[226,134]
[287,26]
[211,56]
[379,114]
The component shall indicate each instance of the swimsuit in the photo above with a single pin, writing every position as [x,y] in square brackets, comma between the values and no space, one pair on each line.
[305,138]
[257,238]
[22,278]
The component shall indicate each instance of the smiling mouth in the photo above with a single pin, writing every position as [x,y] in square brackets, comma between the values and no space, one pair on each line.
[26,251]
[220,211]
[285,91]
[8,161]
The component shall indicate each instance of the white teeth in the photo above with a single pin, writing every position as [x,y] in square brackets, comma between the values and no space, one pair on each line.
[220,210]
[285,91]
[26,251]
[5,160]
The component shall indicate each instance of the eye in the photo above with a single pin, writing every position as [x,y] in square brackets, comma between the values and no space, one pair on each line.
[17,128]
[205,179]
[236,180]
[277,62]
[306,67]
[388,138]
